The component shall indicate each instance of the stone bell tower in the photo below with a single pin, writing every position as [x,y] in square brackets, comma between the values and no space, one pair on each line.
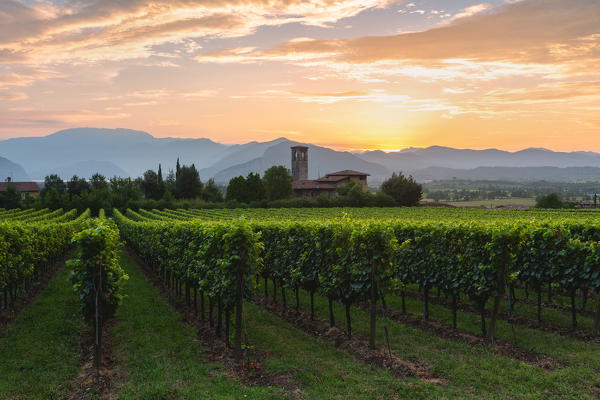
[299,163]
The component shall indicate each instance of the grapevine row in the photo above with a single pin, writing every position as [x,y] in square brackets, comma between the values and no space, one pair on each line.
[356,261]
[30,246]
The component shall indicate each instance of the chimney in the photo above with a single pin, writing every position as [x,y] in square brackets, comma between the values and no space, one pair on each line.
[8,179]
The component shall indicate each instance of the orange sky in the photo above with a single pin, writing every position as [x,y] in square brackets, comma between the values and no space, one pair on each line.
[347,74]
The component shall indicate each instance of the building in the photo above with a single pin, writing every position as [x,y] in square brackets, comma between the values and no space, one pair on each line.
[25,188]
[326,185]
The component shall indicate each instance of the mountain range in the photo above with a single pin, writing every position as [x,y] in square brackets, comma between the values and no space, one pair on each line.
[124,152]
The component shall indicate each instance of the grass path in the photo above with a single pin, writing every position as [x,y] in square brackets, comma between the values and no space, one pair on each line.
[476,372]
[161,358]
[157,355]
[40,351]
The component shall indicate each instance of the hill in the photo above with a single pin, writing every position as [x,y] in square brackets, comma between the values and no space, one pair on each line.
[126,152]
[12,170]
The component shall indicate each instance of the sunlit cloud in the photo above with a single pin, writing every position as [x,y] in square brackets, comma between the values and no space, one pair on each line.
[87,31]
[319,70]
[6,95]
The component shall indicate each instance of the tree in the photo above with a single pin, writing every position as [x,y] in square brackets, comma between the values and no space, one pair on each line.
[212,192]
[123,192]
[11,198]
[278,183]
[236,190]
[404,191]
[549,201]
[76,186]
[188,183]
[255,188]
[150,185]
[170,182]
[98,182]
[54,182]
[54,194]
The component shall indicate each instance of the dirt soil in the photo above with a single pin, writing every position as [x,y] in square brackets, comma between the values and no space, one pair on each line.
[499,347]
[550,327]
[251,372]
[357,346]
[89,383]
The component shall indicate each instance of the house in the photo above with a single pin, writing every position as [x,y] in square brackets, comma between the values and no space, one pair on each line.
[25,188]
[326,185]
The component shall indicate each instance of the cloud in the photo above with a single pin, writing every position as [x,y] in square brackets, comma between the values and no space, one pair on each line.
[528,32]
[6,95]
[388,100]
[548,93]
[93,30]
[469,12]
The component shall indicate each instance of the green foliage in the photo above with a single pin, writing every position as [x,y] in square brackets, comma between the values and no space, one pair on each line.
[404,191]
[212,192]
[550,201]
[97,247]
[236,190]
[11,198]
[187,184]
[31,242]
[151,185]
[471,252]
[278,183]
[76,186]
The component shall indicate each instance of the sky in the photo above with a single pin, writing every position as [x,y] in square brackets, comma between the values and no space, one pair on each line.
[347,74]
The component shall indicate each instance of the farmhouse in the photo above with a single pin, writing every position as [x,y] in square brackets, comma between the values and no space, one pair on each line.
[326,185]
[25,188]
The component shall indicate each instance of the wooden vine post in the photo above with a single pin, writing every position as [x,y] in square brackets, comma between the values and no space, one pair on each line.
[98,317]
[373,305]
[239,304]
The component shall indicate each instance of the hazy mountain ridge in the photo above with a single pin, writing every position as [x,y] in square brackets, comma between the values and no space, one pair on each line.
[516,174]
[438,156]
[13,170]
[321,160]
[129,153]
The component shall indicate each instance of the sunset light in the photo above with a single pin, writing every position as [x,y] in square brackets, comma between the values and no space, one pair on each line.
[344,73]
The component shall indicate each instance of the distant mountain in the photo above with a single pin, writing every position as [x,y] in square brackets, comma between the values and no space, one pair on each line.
[85,169]
[240,154]
[130,151]
[519,174]
[9,169]
[321,160]
[437,156]
[124,152]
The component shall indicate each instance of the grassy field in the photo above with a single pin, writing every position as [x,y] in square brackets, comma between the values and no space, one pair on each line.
[525,201]
[157,355]
[40,351]
[323,371]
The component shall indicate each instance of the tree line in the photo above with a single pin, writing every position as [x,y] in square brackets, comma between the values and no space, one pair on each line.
[183,188]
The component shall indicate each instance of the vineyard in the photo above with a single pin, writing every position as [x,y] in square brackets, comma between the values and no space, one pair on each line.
[406,302]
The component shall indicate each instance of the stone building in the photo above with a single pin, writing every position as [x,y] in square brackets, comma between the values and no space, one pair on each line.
[326,185]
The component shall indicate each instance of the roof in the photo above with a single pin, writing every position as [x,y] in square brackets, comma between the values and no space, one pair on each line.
[312,185]
[336,178]
[21,186]
[347,172]
[299,147]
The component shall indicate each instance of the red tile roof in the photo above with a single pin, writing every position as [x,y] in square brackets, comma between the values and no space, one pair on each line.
[312,185]
[347,172]
[335,178]
[21,186]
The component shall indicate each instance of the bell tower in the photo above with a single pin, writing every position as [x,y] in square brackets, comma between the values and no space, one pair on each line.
[299,163]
